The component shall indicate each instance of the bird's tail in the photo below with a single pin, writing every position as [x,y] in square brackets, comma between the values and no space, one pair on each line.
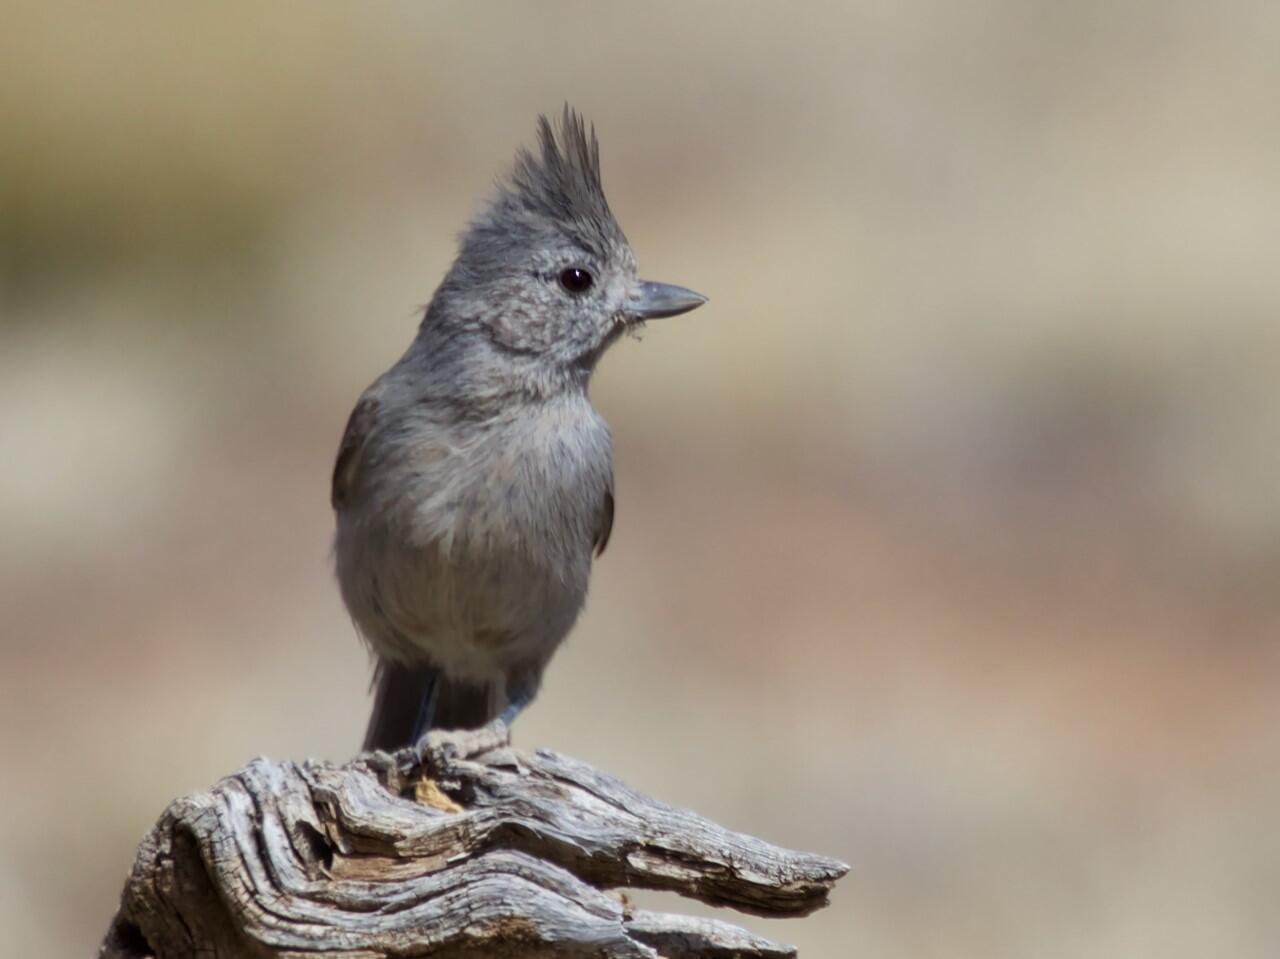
[409,700]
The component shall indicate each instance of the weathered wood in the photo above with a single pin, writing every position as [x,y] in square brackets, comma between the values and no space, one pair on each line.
[481,849]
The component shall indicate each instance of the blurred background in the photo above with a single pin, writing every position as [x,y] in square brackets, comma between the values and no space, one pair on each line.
[948,533]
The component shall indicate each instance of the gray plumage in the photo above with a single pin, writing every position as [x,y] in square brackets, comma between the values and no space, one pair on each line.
[475,481]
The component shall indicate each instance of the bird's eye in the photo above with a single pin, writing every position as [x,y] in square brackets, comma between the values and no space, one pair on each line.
[575,280]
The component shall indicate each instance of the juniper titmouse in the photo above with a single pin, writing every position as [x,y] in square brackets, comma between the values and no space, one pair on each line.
[475,482]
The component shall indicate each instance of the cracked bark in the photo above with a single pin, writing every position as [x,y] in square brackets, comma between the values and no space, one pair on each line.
[500,853]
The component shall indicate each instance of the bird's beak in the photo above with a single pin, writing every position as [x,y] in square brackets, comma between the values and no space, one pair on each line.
[652,301]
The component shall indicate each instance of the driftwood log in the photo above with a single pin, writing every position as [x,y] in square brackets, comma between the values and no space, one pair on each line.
[474,849]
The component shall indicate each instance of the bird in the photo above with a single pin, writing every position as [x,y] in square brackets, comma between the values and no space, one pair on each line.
[473,486]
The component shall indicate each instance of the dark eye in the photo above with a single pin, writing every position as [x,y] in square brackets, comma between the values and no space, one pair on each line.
[575,280]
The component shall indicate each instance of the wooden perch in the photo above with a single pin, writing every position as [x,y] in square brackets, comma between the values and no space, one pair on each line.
[478,850]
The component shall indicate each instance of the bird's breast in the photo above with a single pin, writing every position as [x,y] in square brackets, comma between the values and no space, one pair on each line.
[531,483]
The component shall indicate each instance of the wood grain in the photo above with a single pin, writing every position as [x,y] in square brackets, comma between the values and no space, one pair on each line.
[479,849]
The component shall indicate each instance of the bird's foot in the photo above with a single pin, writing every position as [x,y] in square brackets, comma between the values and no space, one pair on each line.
[440,747]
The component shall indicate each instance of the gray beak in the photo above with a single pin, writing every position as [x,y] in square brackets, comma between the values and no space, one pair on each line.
[652,301]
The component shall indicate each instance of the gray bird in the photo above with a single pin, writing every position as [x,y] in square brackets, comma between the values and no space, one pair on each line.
[474,483]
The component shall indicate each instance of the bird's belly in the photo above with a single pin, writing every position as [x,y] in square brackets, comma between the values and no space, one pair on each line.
[476,606]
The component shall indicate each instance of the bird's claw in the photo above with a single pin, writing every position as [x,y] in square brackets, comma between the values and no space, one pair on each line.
[438,748]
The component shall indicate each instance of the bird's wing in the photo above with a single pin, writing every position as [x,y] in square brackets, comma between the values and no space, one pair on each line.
[605,525]
[347,467]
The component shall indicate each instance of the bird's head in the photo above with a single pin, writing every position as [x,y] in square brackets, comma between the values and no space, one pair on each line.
[544,271]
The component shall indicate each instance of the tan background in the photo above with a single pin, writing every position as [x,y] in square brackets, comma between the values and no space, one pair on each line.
[948,534]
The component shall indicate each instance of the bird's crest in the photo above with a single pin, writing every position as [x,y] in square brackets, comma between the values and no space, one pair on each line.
[561,180]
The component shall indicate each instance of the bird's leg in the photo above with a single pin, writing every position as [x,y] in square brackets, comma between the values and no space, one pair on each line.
[426,708]
[522,686]
[437,747]
[515,706]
